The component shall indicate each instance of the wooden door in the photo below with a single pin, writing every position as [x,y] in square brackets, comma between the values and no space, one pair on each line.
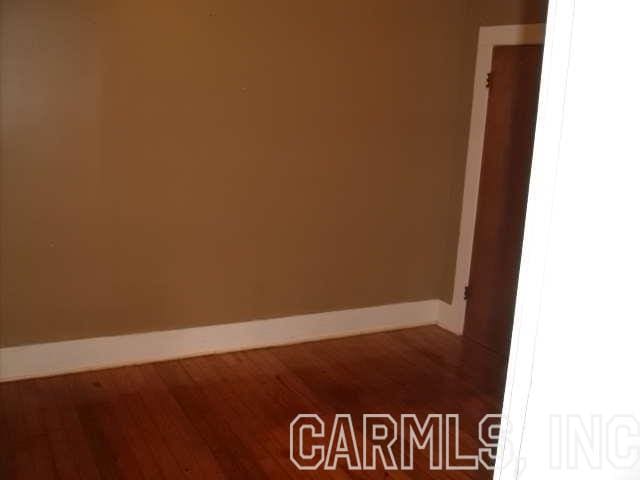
[506,163]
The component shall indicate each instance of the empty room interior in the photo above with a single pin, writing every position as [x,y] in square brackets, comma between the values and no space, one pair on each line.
[246,239]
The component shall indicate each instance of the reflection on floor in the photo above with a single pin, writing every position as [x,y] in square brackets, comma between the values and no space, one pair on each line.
[228,415]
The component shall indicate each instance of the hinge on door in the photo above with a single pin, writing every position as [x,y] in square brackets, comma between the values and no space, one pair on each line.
[467,292]
[489,79]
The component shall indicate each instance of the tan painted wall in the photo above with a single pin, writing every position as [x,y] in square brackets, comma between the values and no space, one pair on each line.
[178,163]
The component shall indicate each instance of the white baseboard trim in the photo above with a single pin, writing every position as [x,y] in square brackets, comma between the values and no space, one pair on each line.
[46,359]
[451,317]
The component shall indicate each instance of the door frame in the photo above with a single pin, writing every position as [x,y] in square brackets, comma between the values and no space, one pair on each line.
[488,37]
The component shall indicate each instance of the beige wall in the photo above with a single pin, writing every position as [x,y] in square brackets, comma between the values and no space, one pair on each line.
[178,163]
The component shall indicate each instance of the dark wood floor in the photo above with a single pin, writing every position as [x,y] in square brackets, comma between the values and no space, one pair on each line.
[227,416]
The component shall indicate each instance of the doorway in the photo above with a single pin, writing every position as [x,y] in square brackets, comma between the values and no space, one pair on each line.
[513,87]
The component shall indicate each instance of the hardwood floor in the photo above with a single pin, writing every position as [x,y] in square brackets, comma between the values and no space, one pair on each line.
[228,415]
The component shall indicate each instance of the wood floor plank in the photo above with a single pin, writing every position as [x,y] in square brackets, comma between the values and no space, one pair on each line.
[193,454]
[227,416]
[107,439]
[236,460]
[21,463]
[146,431]
[73,437]
[249,425]
[62,451]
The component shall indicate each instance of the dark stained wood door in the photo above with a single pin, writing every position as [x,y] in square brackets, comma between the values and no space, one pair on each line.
[506,164]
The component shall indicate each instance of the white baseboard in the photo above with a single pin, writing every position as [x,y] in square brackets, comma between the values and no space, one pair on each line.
[47,359]
[451,317]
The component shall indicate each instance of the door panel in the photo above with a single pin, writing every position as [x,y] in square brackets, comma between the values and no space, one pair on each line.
[504,180]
